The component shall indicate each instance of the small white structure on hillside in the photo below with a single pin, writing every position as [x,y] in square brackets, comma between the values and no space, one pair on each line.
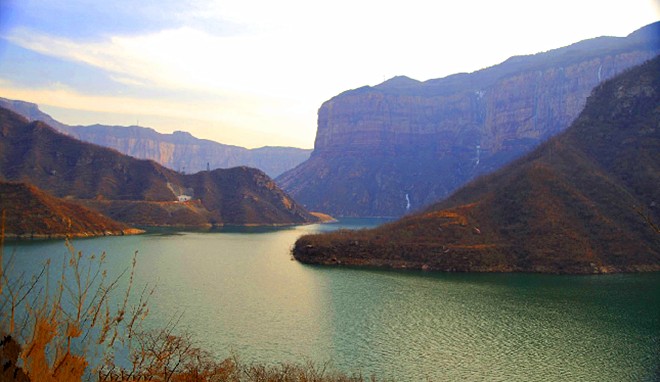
[184,198]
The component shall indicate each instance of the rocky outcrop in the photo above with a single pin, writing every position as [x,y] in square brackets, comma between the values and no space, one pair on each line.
[403,144]
[179,151]
[584,202]
[139,191]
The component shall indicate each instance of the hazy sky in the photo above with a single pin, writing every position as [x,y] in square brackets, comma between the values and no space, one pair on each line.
[254,73]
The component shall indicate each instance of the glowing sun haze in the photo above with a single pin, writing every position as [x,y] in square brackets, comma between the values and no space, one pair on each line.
[254,73]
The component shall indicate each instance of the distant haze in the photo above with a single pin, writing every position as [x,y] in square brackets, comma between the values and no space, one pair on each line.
[254,73]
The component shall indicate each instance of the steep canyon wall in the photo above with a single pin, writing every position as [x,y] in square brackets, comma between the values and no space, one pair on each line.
[389,149]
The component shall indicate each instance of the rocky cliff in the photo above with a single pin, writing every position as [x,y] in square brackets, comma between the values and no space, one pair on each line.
[403,144]
[138,191]
[586,201]
[179,151]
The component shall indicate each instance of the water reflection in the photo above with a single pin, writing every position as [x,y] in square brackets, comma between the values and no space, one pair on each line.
[513,327]
[239,291]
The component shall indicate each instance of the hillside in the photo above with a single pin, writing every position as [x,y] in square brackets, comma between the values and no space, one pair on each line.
[397,147]
[583,202]
[178,151]
[65,167]
[32,213]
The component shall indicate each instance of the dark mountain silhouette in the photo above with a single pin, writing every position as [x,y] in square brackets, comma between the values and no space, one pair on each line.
[35,153]
[399,146]
[32,213]
[586,201]
[179,151]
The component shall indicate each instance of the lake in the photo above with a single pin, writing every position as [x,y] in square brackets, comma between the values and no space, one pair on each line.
[240,292]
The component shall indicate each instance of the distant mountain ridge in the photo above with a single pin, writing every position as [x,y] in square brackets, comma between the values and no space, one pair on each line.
[396,147]
[134,191]
[586,201]
[179,151]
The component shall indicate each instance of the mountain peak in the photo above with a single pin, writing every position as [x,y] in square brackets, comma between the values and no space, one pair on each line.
[649,32]
[398,82]
[182,134]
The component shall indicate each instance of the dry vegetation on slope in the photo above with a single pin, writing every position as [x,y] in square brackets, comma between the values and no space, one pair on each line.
[402,143]
[33,152]
[570,206]
[31,213]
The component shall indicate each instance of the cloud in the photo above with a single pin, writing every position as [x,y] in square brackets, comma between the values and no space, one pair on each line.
[245,122]
[270,65]
[127,81]
[111,55]
[90,19]
[272,80]
[182,58]
[59,95]
[291,47]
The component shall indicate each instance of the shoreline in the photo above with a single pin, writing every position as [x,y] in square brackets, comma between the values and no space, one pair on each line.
[78,235]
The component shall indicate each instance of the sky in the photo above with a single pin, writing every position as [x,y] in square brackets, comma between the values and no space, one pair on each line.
[255,72]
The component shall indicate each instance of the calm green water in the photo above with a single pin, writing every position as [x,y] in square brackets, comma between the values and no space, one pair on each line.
[240,292]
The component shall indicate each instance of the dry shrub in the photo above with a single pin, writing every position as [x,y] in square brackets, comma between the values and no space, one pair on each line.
[70,332]
[160,355]
[58,328]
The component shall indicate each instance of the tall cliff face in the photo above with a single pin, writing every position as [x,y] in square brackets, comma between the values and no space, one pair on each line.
[179,151]
[585,201]
[183,152]
[403,144]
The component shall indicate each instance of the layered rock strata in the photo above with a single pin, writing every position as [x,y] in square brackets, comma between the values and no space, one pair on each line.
[396,147]
[586,201]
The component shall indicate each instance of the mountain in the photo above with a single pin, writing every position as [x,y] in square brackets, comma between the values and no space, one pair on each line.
[32,213]
[179,151]
[399,146]
[103,178]
[586,201]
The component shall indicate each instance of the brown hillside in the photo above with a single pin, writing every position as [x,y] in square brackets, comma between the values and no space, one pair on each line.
[570,206]
[35,153]
[178,151]
[32,213]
